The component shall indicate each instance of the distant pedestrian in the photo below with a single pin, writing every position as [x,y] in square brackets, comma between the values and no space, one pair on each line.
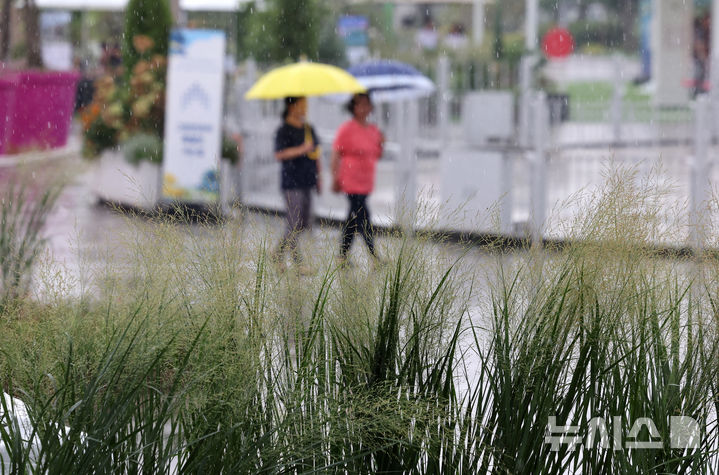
[355,152]
[297,148]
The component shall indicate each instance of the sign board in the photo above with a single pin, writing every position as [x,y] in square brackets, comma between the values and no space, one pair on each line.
[353,31]
[193,115]
[558,43]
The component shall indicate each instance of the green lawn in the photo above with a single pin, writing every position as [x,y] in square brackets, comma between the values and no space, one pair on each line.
[590,101]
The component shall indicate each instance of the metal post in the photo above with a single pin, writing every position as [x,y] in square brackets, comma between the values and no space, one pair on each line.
[714,63]
[617,99]
[540,127]
[478,21]
[443,96]
[531,25]
[406,176]
[525,99]
[699,169]
[525,69]
[505,206]
[400,176]
[249,114]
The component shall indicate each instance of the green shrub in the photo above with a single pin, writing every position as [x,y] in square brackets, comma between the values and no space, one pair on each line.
[192,351]
[151,18]
[143,147]
[229,150]
[23,214]
[609,34]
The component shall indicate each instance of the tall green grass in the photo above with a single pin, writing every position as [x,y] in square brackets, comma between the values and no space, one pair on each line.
[23,213]
[191,353]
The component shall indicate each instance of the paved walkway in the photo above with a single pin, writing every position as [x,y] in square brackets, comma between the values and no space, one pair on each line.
[79,224]
[85,237]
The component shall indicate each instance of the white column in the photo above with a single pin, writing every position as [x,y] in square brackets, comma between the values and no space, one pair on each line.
[700,167]
[531,26]
[478,21]
[714,63]
[525,99]
[615,111]
[525,68]
[540,124]
[249,115]
[406,167]
[443,97]
[672,51]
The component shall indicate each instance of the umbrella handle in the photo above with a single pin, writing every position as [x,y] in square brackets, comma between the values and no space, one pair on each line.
[315,154]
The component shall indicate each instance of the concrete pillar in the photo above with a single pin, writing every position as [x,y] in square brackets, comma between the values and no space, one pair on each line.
[672,43]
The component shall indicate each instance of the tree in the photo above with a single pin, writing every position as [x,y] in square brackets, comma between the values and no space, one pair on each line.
[151,18]
[290,29]
[31,15]
[5,29]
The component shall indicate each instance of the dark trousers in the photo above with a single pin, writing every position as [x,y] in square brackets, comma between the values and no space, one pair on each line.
[357,220]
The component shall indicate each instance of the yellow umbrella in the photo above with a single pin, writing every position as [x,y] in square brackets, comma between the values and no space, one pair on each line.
[304,79]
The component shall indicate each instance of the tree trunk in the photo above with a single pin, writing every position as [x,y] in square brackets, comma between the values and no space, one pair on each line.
[32,34]
[5,30]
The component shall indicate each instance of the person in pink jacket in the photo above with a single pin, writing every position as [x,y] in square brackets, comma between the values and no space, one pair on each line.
[355,151]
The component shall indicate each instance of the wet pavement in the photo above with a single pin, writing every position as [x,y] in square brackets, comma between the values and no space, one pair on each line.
[83,235]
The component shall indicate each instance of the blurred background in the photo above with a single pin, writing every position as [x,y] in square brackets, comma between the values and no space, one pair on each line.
[529,103]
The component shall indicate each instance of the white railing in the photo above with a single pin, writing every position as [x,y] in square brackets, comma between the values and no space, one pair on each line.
[557,164]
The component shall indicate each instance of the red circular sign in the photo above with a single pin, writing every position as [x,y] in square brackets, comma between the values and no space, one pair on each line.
[558,43]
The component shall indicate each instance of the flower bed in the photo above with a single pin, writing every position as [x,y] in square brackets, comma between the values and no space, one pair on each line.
[127,115]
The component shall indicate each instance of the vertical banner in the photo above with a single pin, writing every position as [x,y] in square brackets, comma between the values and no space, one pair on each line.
[353,29]
[193,115]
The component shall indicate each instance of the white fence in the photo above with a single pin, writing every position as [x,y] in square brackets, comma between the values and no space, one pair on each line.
[540,178]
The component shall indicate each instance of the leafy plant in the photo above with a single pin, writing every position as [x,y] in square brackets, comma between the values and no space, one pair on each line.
[146,21]
[142,147]
[118,112]
[193,354]
[23,213]
[229,150]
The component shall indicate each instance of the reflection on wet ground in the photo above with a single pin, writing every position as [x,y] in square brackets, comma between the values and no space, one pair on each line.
[85,237]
